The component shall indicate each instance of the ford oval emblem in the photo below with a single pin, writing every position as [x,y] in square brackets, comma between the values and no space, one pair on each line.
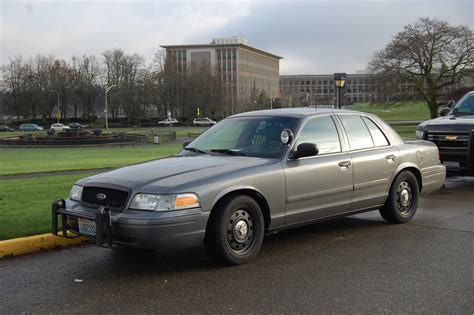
[101,196]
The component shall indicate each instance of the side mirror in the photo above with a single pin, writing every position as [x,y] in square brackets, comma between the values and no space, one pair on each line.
[444,111]
[451,103]
[304,150]
[185,144]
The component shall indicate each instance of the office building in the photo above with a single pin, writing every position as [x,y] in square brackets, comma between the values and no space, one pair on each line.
[241,67]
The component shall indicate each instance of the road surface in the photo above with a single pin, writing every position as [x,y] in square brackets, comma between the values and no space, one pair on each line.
[358,264]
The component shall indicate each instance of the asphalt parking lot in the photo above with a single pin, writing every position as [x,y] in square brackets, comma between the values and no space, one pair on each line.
[358,264]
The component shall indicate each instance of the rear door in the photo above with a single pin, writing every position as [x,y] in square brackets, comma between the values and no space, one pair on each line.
[374,161]
[321,185]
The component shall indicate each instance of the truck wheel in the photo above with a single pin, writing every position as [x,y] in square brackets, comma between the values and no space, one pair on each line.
[402,200]
[235,231]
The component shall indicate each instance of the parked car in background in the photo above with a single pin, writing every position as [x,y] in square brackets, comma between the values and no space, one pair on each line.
[30,127]
[453,133]
[6,128]
[255,173]
[203,122]
[59,127]
[75,125]
[168,121]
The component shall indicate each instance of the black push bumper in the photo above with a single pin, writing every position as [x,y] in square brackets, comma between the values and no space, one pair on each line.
[142,229]
[103,223]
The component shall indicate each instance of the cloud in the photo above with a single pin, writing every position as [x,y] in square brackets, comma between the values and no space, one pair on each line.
[313,36]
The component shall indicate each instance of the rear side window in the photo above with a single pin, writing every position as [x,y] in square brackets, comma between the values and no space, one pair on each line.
[377,135]
[357,132]
[322,132]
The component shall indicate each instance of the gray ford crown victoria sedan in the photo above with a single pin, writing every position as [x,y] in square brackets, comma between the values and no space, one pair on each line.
[251,174]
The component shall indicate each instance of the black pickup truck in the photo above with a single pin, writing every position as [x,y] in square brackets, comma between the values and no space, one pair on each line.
[453,133]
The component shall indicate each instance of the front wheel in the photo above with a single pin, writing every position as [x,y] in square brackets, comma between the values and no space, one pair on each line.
[235,231]
[402,201]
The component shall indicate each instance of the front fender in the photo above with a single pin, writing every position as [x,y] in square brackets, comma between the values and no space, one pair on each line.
[233,189]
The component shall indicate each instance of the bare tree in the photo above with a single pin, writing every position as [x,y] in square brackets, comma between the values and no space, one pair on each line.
[431,55]
[13,84]
[131,68]
[85,78]
[172,85]
[122,70]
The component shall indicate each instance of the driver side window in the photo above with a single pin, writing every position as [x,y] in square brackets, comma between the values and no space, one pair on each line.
[322,132]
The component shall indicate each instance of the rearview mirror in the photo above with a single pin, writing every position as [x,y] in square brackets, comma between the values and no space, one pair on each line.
[304,150]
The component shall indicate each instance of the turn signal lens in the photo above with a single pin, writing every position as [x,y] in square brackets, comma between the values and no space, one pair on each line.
[186,201]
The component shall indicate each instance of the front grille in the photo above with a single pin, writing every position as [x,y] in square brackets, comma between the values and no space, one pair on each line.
[113,198]
[454,146]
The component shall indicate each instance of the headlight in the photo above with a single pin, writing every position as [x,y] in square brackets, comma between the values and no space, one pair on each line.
[419,134]
[419,131]
[76,193]
[164,202]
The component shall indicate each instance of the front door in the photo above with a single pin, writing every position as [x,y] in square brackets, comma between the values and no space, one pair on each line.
[322,185]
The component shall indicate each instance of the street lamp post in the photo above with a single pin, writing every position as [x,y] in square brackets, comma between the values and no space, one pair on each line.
[339,81]
[58,113]
[106,108]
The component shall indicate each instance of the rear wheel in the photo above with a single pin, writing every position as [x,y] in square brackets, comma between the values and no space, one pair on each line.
[402,201]
[235,231]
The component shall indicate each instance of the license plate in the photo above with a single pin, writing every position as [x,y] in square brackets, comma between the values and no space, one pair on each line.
[451,164]
[86,226]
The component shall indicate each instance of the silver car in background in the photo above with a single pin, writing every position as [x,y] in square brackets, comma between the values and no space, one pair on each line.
[251,174]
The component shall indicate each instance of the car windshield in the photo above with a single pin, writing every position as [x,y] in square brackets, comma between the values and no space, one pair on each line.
[244,136]
[465,106]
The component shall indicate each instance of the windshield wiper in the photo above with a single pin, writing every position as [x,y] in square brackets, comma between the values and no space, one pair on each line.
[228,151]
[196,150]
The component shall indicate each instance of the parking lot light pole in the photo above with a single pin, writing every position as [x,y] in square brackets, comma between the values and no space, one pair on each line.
[106,108]
[339,81]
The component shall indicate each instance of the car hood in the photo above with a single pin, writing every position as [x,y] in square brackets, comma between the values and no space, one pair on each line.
[449,123]
[172,172]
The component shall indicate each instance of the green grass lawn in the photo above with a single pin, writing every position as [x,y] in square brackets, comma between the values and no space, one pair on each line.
[37,160]
[402,111]
[406,132]
[25,204]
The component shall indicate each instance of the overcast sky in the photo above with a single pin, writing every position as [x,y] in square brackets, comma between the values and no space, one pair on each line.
[313,37]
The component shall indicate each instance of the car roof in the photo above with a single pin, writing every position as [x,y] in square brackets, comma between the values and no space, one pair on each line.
[296,112]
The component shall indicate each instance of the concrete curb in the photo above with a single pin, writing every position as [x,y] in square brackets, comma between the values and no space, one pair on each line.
[36,243]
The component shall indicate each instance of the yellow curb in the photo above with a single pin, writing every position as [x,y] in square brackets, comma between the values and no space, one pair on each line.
[36,243]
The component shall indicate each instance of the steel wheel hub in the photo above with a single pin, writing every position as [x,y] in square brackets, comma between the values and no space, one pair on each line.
[240,231]
[404,200]
[404,197]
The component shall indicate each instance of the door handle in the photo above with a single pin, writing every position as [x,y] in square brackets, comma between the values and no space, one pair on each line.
[390,157]
[344,164]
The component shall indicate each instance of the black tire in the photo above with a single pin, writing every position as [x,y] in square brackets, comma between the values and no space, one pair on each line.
[403,197]
[235,230]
